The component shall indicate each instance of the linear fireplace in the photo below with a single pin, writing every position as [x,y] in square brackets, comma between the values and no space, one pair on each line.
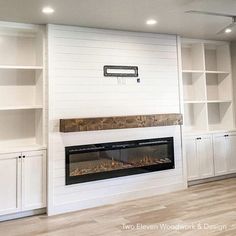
[109,160]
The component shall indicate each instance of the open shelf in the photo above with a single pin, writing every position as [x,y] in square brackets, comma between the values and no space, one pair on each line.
[21,127]
[217,72]
[194,86]
[192,57]
[220,116]
[218,87]
[21,48]
[194,102]
[195,117]
[20,108]
[192,71]
[217,57]
[218,101]
[4,67]
[21,89]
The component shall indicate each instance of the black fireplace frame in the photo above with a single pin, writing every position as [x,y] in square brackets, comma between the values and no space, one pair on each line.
[121,172]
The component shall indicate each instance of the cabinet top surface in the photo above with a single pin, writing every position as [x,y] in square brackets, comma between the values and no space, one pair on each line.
[194,133]
[18,149]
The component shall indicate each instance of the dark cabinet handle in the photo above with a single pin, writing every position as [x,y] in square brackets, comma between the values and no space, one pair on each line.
[23,156]
[19,157]
[199,138]
[226,135]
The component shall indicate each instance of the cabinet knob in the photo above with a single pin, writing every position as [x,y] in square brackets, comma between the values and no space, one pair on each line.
[19,157]
[226,135]
[23,156]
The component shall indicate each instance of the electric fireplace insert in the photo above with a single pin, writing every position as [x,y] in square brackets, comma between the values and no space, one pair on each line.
[110,160]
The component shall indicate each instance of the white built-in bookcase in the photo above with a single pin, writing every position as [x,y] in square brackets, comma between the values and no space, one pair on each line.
[22,93]
[207,86]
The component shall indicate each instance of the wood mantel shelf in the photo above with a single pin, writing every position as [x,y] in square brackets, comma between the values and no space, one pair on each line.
[119,122]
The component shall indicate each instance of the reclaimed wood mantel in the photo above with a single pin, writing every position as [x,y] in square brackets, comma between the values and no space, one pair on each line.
[119,122]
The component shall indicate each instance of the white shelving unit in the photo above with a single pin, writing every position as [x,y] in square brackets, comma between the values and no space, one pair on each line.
[22,93]
[22,119]
[207,86]
[209,137]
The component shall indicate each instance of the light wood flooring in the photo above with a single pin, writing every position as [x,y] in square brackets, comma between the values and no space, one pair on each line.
[203,206]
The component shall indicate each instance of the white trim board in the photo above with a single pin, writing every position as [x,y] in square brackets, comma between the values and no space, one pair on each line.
[117,198]
[77,88]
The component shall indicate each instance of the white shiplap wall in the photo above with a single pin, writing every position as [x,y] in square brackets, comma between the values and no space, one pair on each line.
[77,88]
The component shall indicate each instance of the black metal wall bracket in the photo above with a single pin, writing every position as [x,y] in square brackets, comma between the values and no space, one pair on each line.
[133,71]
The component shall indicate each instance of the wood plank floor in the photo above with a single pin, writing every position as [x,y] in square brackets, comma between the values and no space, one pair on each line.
[206,209]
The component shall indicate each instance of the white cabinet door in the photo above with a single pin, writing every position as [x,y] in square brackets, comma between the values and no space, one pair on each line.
[220,154]
[191,157]
[231,152]
[205,156]
[10,168]
[199,155]
[33,180]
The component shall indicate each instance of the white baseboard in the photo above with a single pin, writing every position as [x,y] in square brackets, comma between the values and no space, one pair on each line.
[22,214]
[123,197]
[215,178]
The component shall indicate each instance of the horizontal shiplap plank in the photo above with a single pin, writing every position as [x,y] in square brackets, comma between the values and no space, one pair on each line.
[94,111]
[112,52]
[117,92]
[113,59]
[113,44]
[107,82]
[71,30]
[77,36]
[117,135]
[117,98]
[99,66]
[93,73]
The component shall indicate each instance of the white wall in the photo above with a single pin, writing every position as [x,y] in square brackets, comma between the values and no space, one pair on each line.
[77,88]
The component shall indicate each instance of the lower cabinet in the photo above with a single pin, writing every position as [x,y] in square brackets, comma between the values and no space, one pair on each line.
[224,153]
[22,182]
[199,155]
[210,155]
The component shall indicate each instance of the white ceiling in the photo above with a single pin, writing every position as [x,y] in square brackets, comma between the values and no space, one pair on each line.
[127,15]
